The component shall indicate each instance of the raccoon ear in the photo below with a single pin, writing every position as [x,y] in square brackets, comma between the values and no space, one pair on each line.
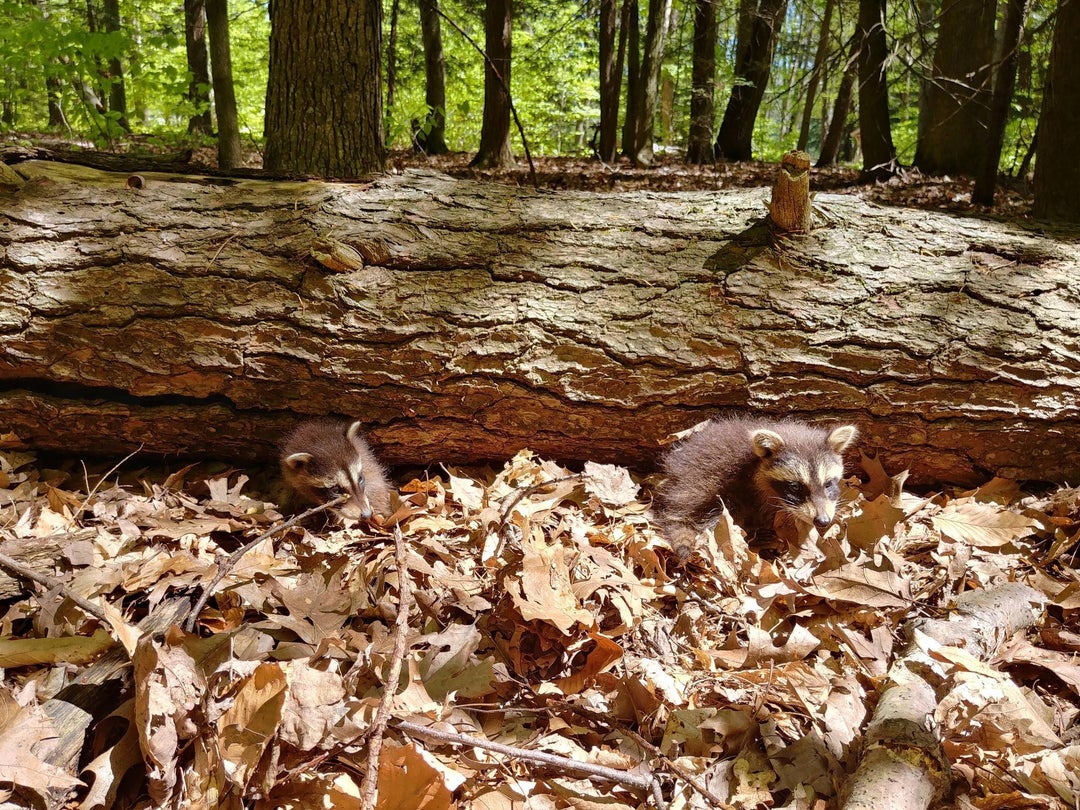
[298,461]
[842,437]
[766,443]
[353,433]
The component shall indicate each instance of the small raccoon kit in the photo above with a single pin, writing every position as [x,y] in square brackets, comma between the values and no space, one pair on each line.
[760,469]
[324,459]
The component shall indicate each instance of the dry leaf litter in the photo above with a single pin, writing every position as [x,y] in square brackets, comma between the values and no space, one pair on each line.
[546,616]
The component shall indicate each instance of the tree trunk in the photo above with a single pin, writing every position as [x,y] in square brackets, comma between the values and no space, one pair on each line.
[1004,81]
[56,112]
[610,80]
[494,150]
[198,62]
[391,68]
[956,101]
[879,155]
[1057,169]
[744,33]
[192,319]
[110,13]
[324,93]
[699,149]
[734,141]
[435,76]
[649,81]
[230,155]
[53,85]
[93,95]
[632,30]
[815,76]
[830,146]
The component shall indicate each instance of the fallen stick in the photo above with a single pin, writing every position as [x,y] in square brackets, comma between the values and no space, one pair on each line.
[695,782]
[52,583]
[646,783]
[234,558]
[369,788]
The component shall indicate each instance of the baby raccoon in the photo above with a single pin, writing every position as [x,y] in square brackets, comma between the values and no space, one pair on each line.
[323,459]
[760,469]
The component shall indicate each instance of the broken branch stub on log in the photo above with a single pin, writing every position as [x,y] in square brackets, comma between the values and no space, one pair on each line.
[190,317]
[789,210]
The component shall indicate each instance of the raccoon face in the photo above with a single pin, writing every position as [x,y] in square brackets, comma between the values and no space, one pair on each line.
[327,472]
[800,476]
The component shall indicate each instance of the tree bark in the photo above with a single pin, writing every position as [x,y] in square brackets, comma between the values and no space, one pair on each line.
[494,150]
[649,81]
[391,68]
[198,62]
[1004,82]
[191,318]
[110,13]
[230,156]
[324,93]
[734,141]
[703,79]
[632,33]
[956,102]
[830,146]
[815,76]
[610,81]
[435,76]
[879,154]
[1057,169]
[53,84]
[56,112]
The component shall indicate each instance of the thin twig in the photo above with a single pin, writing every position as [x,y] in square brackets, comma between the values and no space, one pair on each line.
[504,513]
[93,491]
[506,89]
[369,788]
[234,558]
[53,584]
[695,782]
[647,783]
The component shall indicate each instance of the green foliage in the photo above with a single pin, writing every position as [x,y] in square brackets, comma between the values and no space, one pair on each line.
[48,48]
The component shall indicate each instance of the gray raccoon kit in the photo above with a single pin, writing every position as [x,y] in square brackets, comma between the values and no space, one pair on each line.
[759,469]
[324,459]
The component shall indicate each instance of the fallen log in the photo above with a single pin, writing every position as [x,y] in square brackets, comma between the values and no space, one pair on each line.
[462,321]
[903,765]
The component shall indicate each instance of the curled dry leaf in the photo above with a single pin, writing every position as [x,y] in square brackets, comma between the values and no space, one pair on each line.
[25,736]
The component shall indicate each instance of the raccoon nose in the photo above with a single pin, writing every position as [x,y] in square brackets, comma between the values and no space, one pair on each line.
[822,522]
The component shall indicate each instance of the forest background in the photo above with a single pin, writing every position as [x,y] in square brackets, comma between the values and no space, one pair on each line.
[98,70]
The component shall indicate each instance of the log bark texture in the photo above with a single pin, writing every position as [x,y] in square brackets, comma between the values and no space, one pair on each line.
[190,317]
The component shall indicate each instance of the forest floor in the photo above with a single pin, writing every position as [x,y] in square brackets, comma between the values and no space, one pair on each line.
[670,172]
[532,608]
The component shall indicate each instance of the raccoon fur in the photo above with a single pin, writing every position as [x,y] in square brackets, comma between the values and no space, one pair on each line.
[324,459]
[760,469]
